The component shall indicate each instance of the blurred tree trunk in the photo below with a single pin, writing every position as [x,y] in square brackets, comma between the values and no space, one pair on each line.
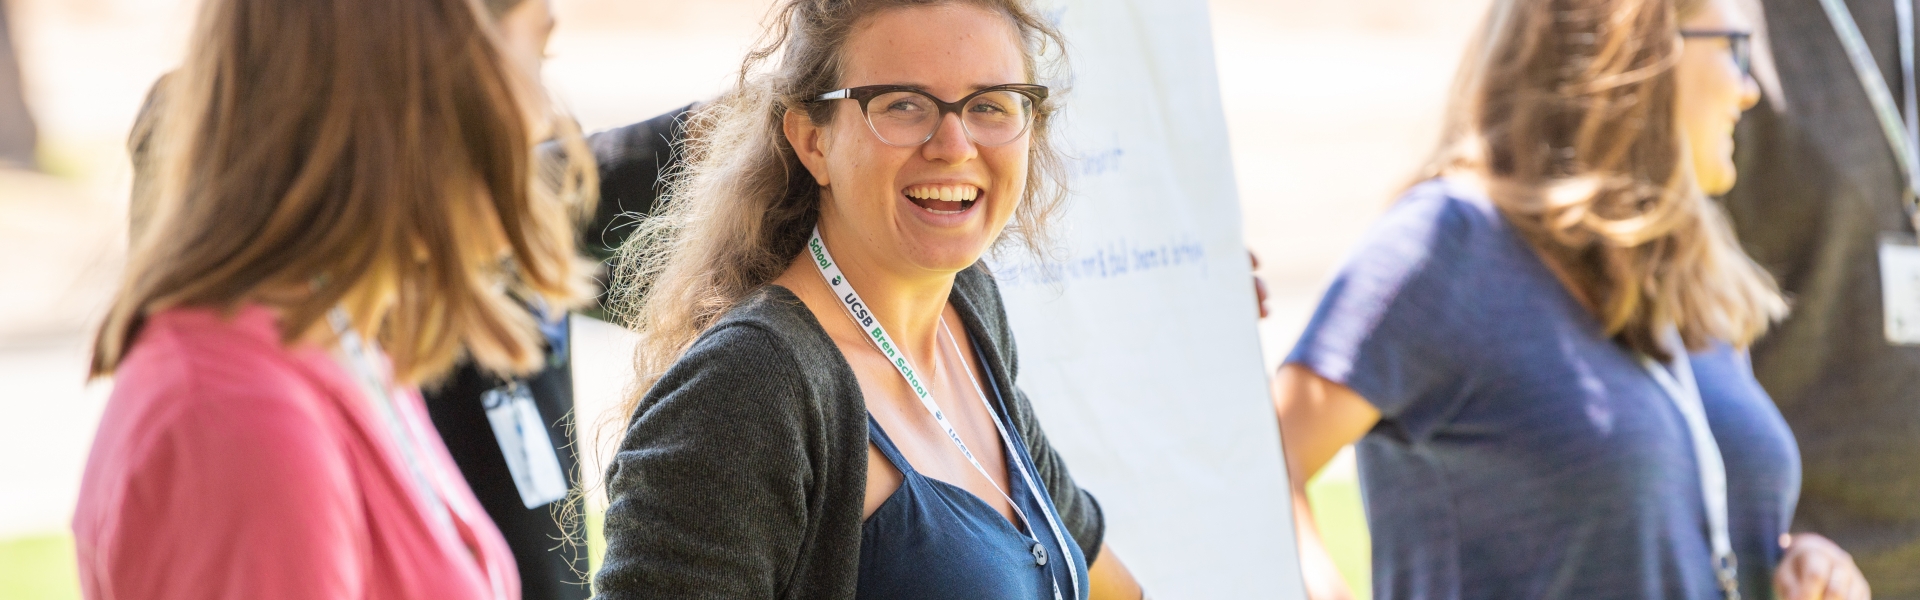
[17,133]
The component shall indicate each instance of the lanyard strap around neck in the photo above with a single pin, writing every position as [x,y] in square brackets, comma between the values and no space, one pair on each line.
[1903,135]
[896,355]
[1677,380]
[358,356]
[1903,18]
[1053,524]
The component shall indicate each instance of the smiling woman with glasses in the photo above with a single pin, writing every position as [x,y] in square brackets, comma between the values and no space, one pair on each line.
[830,403]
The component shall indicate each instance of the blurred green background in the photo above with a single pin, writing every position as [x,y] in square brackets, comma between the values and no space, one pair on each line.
[41,567]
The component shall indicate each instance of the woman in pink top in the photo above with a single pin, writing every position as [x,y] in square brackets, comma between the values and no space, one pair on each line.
[347,205]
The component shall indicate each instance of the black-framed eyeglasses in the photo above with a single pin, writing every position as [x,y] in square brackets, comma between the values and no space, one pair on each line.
[1740,42]
[908,116]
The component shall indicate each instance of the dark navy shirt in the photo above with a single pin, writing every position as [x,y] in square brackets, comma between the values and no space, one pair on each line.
[1521,453]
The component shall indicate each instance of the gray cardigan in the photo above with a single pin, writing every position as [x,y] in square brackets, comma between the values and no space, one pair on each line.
[743,471]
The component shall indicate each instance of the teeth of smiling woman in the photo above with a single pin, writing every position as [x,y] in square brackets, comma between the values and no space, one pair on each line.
[944,193]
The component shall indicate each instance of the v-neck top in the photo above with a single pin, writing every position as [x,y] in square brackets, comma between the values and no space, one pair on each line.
[933,540]
[1521,452]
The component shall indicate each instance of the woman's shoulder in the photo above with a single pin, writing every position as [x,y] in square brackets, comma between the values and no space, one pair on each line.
[769,338]
[1441,209]
[1421,280]
[1441,224]
[774,321]
[764,369]
[233,361]
[223,384]
[769,327]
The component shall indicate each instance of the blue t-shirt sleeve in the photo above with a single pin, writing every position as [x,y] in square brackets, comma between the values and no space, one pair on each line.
[1400,324]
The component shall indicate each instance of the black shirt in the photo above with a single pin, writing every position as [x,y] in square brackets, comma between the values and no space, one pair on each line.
[549,542]
[1818,185]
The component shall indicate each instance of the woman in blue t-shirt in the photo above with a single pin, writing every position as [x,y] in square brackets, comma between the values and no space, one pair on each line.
[1540,348]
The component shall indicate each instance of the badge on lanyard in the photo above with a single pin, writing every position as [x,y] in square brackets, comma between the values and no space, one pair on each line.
[1900,287]
[1899,255]
[524,442]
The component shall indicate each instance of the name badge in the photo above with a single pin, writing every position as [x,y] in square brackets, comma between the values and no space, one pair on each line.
[1900,288]
[530,455]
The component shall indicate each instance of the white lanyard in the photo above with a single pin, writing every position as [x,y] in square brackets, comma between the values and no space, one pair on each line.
[1903,18]
[1903,135]
[1678,382]
[857,309]
[357,355]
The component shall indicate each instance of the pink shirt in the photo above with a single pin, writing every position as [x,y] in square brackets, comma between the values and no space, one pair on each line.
[231,466]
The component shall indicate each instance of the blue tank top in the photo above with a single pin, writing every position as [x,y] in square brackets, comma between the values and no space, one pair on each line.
[932,540]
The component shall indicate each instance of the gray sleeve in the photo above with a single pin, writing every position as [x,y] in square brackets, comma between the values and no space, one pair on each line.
[1079,512]
[709,490]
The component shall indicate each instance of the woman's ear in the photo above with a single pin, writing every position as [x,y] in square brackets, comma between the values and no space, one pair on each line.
[809,142]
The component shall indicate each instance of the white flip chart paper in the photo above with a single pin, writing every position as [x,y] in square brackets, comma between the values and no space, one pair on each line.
[1139,351]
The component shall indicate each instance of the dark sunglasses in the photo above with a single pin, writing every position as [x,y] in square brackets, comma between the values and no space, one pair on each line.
[1740,42]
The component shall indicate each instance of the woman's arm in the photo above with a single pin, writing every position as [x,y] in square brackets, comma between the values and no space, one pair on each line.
[1317,418]
[709,491]
[1109,579]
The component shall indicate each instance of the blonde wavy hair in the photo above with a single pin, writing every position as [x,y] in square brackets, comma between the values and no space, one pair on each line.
[1566,109]
[738,213]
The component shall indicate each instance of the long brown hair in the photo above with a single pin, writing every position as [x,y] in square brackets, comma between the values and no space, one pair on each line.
[369,154]
[739,213]
[1566,108]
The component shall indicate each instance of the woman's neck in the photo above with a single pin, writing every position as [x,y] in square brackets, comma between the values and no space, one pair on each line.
[366,307]
[907,302]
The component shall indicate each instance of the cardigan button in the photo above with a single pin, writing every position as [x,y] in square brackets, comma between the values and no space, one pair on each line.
[1039,554]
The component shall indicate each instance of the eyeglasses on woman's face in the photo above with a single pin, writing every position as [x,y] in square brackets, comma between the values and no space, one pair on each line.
[906,116]
[1740,43]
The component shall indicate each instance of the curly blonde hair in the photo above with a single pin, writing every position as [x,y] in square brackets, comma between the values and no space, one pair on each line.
[739,211]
